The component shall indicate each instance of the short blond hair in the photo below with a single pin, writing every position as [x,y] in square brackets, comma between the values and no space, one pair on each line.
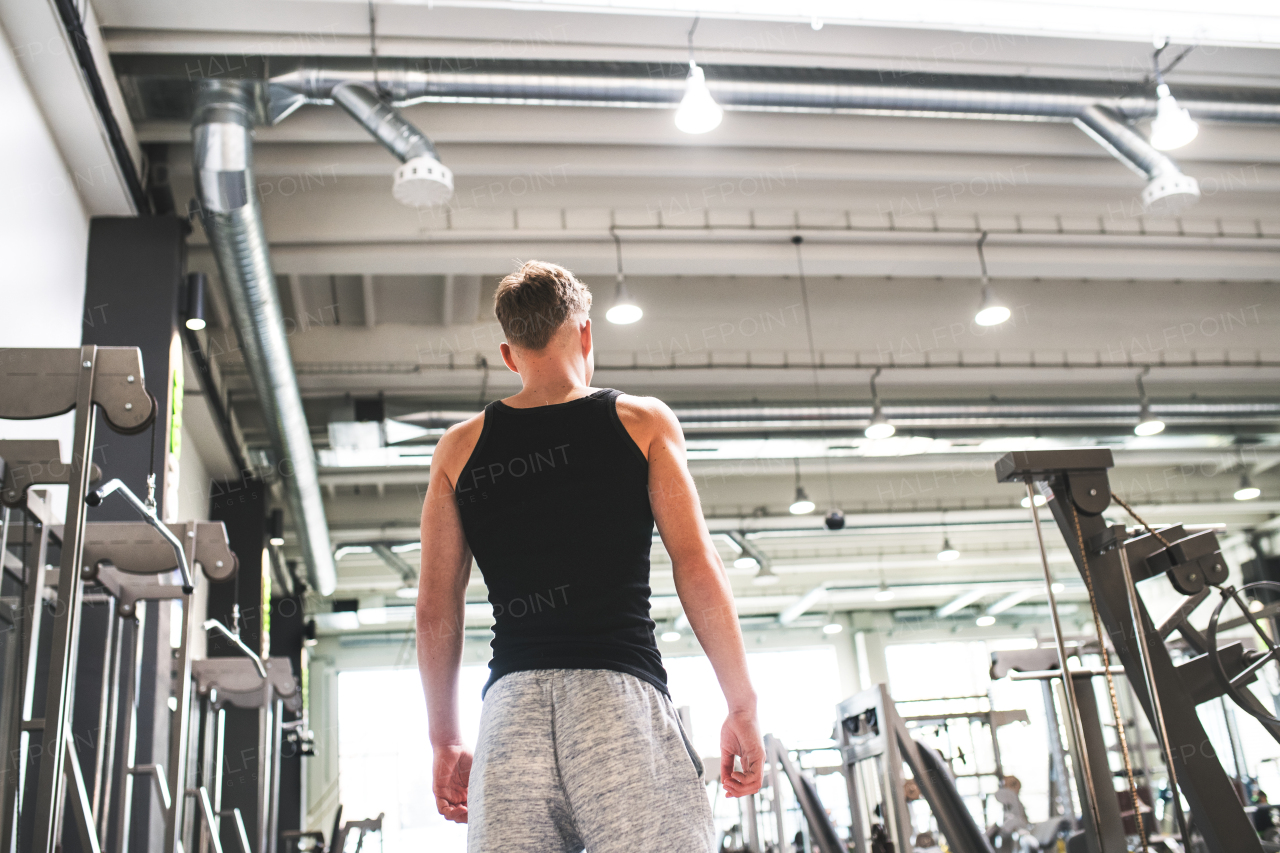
[536,300]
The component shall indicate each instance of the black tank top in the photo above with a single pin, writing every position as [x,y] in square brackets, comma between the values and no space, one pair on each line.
[555,506]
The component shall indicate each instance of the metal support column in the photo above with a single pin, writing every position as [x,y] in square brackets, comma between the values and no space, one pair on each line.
[66,620]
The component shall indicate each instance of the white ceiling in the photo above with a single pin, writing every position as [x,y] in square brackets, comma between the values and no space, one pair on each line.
[890,208]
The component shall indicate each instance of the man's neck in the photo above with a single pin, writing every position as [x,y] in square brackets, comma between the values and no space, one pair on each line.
[548,384]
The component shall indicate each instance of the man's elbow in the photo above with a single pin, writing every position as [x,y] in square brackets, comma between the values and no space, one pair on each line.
[700,565]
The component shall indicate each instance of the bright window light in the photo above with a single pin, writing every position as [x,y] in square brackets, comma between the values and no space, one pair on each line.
[386,774]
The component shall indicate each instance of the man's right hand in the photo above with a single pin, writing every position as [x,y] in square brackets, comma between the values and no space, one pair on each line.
[740,736]
[450,773]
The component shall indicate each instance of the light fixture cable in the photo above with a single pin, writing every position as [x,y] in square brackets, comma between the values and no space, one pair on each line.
[373,51]
[796,241]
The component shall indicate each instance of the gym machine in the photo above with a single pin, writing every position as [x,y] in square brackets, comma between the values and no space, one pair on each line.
[874,744]
[312,841]
[942,724]
[113,564]
[251,682]
[1112,561]
[821,830]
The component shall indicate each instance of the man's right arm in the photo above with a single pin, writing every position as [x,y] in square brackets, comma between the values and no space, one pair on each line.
[442,585]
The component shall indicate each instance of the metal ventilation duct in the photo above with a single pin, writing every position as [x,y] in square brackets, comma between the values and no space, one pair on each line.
[423,179]
[222,137]
[751,88]
[1167,189]
[159,87]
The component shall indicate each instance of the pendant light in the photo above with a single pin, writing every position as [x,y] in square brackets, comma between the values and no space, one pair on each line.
[1173,126]
[624,310]
[1148,424]
[801,505]
[1247,491]
[698,111]
[991,311]
[879,426]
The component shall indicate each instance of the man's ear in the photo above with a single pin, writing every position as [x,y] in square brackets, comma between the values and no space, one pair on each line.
[586,337]
[508,358]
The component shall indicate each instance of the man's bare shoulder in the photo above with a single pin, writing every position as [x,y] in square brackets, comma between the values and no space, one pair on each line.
[644,412]
[456,445]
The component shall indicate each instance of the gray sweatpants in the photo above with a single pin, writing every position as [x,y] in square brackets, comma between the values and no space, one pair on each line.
[574,758]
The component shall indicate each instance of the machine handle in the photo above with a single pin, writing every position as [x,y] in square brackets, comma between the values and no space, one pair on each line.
[96,497]
[210,624]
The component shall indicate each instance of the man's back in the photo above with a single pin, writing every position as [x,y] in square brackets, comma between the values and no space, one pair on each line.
[556,492]
[554,503]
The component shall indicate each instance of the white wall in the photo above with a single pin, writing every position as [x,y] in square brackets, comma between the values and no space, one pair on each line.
[44,233]
[44,230]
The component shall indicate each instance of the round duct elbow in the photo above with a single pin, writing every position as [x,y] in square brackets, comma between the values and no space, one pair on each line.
[423,181]
[1168,193]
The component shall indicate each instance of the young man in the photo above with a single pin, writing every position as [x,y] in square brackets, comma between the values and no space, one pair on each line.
[555,490]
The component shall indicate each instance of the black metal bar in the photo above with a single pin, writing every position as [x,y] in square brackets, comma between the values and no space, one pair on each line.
[84,57]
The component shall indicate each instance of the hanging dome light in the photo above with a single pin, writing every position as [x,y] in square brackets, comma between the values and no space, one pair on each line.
[670,636]
[1040,501]
[698,111]
[990,311]
[832,627]
[948,552]
[985,621]
[879,427]
[624,309]
[884,593]
[1173,126]
[1148,424]
[745,562]
[1247,491]
[801,505]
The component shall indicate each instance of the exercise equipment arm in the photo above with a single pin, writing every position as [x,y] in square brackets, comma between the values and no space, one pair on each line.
[96,497]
